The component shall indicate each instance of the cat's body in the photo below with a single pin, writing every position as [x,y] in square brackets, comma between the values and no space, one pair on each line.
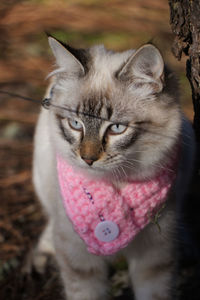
[124,124]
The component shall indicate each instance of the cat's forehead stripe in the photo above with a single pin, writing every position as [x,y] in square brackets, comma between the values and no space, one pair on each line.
[93,105]
[95,108]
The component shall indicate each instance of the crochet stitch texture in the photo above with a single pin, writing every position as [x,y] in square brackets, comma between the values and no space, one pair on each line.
[88,202]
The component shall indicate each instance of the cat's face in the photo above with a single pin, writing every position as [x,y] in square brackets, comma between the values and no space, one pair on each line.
[120,121]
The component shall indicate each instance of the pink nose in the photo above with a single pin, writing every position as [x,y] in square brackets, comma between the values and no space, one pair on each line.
[89,161]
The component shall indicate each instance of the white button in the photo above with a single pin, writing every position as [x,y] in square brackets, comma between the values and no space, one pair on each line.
[106,231]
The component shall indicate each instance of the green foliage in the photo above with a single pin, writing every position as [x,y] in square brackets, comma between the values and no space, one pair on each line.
[111,40]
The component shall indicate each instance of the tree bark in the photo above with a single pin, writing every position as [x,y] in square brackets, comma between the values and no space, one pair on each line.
[185,24]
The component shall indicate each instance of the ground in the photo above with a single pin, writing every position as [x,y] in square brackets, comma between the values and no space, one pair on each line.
[25,60]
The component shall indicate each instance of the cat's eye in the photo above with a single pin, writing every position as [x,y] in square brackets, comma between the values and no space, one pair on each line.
[117,129]
[76,125]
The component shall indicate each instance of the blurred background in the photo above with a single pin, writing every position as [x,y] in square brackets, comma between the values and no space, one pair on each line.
[25,61]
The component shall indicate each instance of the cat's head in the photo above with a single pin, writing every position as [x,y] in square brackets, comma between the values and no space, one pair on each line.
[113,114]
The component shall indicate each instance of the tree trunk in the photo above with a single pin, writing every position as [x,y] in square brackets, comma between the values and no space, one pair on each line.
[185,24]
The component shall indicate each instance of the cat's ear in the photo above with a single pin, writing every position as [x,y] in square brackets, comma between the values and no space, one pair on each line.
[146,65]
[66,57]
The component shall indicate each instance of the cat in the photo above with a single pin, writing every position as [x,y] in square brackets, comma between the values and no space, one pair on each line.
[114,124]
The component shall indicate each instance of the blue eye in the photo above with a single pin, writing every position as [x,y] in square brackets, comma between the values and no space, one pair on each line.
[117,129]
[76,125]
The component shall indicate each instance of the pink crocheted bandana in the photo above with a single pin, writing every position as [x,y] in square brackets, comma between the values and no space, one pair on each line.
[107,219]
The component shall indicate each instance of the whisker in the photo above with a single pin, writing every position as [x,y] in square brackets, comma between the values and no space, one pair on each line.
[120,177]
[128,166]
[157,165]
[121,167]
[133,160]
[114,172]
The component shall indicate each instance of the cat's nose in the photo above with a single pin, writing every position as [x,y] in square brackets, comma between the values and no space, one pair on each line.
[88,161]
